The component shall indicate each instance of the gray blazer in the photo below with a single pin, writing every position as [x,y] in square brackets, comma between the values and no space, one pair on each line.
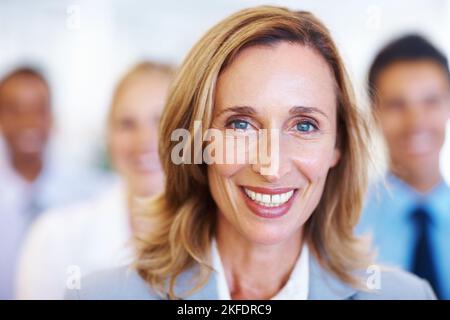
[125,283]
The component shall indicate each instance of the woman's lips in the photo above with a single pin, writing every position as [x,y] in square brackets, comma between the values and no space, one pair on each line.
[268,202]
[146,163]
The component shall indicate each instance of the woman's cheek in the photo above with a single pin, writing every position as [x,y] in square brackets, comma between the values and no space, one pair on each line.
[121,152]
[238,152]
[226,170]
[312,163]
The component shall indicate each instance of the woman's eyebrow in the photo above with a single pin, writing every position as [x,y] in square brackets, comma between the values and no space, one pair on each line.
[239,109]
[251,111]
[302,110]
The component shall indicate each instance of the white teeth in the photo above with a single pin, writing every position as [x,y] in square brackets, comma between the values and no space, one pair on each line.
[276,198]
[268,200]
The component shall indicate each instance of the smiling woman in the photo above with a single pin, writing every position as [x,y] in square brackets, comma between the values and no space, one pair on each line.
[232,231]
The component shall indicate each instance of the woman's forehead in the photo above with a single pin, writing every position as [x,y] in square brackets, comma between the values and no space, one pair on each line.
[283,75]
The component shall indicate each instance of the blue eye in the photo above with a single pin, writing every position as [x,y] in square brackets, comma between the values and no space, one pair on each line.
[239,124]
[305,126]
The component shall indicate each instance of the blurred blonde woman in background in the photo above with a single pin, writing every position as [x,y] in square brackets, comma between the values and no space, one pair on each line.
[234,230]
[69,242]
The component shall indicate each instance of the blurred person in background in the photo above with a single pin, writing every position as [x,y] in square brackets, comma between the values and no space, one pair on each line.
[408,215]
[31,180]
[67,243]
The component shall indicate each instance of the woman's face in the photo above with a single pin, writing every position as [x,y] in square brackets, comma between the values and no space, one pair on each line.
[286,87]
[133,134]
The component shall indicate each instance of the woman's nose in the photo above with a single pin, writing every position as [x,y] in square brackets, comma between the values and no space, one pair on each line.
[146,140]
[274,167]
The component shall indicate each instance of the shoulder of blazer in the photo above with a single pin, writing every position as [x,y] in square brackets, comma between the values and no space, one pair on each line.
[396,284]
[124,283]
[391,284]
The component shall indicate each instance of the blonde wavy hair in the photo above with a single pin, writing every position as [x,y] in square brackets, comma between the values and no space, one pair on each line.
[178,227]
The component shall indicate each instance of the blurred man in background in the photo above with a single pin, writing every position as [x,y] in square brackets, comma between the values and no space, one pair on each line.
[29,180]
[409,214]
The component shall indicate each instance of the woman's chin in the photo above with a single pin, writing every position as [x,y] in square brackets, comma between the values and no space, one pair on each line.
[268,235]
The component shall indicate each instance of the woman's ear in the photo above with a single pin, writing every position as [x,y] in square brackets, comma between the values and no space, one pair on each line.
[336,157]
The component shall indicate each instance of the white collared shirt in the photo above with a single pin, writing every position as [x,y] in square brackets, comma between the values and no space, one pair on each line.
[296,288]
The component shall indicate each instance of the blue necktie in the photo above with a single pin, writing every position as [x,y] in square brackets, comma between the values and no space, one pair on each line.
[423,263]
